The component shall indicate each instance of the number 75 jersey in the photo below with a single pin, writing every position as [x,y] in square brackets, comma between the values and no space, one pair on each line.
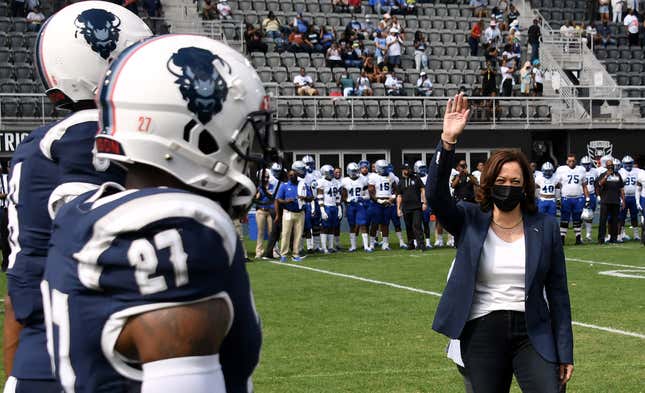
[117,253]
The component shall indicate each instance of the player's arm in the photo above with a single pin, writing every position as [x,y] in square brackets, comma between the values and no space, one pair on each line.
[424,201]
[12,329]
[399,211]
[343,194]
[371,189]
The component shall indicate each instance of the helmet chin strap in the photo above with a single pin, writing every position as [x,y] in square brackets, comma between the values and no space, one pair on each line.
[244,184]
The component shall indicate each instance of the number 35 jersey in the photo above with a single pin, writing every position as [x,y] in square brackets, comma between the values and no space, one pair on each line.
[116,253]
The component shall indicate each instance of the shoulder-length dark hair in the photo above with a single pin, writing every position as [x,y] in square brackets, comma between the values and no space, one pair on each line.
[491,170]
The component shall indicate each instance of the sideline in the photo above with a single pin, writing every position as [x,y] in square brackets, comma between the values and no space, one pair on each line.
[422,291]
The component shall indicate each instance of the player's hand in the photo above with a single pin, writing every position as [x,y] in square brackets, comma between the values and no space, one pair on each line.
[566,370]
[455,118]
[323,214]
[340,213]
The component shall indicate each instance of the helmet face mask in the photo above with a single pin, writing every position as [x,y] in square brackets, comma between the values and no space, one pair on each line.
[547,170]
[353,170]
[382,167]
[628,163]
[310,162]
[586,163]
[327,171]
[421,168]
[211,131]
[300,168]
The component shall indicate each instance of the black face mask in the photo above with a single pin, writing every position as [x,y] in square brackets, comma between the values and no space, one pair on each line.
[506,198]
[293,179]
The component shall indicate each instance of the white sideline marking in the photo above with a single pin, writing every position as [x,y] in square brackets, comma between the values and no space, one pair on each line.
[417,290]
[624,273]
[603,263]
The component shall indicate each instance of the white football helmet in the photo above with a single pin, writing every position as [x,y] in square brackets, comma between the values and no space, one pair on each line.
[190,106]
[628,163]
[547,170]
[276,169]
[310,162]
[77,43]
[353,170]
[604,159]
[421,168]
[587,215]
[300,168]
[617,164]
[585,161]
[327,171]
[382,167]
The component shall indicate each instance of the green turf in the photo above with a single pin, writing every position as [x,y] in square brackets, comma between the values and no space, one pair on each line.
[325,333]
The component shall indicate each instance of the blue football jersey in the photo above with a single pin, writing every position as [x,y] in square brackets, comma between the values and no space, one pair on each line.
[70,145]
[31,180]
[117,253]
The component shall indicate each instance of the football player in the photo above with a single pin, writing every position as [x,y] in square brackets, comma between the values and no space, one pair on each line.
[312,209]
[546,185]
[421,169]
[641,202]
[630,177]
[354,187]
[148,282]
[392,214]
[591,174]
[331,212]
[382,194]
[575,197]
[338,175]
[55,162]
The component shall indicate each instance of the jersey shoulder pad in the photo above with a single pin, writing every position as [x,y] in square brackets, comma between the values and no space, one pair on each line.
[145,213]
[57,132]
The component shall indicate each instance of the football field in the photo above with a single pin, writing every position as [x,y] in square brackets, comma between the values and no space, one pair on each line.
[362,322]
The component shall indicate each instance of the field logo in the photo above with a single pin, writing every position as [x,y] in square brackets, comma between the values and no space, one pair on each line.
[598,149]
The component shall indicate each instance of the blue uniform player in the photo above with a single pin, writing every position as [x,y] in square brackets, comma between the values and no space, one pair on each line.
[591,174]
[382,194]
[575,197]
[629,173]
[355,196]
[331,212]
[392,214]
[547,183]
[148,284]
[69,60]
[313,219]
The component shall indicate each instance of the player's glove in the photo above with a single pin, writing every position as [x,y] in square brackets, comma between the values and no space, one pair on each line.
[323,214]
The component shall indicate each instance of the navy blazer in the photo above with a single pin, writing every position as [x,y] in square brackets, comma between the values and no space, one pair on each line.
[548,324]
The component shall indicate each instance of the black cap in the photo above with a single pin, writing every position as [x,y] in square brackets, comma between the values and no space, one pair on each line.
[405,166]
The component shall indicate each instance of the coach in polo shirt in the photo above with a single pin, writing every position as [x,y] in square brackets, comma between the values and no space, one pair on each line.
[292,196]
[411,201]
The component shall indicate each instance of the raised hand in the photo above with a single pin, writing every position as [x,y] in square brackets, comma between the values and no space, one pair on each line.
[455,118]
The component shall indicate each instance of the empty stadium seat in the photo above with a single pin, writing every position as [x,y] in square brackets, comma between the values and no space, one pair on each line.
[27,86]
[23,71]
[19,25]
[5,55]
[6,71]
[29,107]
[326,109]
[8,86]
[10,107]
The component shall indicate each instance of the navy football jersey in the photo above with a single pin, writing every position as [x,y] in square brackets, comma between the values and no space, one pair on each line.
[70,144]
[31,180]
[117,253]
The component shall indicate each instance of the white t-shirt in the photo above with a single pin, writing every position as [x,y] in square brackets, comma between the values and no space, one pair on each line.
[426,84]
[538,75]
[567,31]
[330,190]
[300,80]
[35,17]
[571,180]
[631,21]
[224,9]
[391,82]
[500,278]
[506,74]
[395,48]
[355,188]
[630,179]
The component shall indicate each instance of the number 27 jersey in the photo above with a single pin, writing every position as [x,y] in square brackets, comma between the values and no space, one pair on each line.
[115,254]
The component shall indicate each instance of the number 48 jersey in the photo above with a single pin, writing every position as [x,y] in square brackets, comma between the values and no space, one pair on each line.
[331,191]
[115,254]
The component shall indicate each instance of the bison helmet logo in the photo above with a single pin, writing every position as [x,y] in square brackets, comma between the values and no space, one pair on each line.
[200,81]
[100,29]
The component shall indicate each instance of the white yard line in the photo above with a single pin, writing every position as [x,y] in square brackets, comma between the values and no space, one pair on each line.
[422,291]
[603,263]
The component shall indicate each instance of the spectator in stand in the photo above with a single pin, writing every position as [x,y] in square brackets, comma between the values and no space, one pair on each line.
[568,30]
[346,83]
[326,38]
[18,8]
[603,9]
[491,56]
[538,79]
[397,25]
[475,37]
[348,37]
[298,42]
[364,85]
[314,39]
[224,10]
[506,89]
[498,16]
[632,25]
[424,85]
[420,47]
[394,45]
[300,24]
[352,57]
[380,45]
[489,79]
[604,34]
[373,71]
[411,7]
[479,8]
[32,4]
[272,26]
[393,86]
[513,14]
[153,8]
[340,5]
[509,55]
[526,79]
[356,27]
[354,6]
[304,84]
[35,18]
[253,39]
[368,28]
[617,9]
[209,10]
[334,57]
[492,35]
[516,47]
[534,37]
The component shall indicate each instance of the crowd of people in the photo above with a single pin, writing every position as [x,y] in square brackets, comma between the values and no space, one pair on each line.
[310,204]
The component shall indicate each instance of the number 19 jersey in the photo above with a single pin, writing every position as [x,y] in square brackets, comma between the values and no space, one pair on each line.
[117,253]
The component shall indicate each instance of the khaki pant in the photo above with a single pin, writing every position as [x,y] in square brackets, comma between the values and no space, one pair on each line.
[264,221]
[292,223]
[240,234]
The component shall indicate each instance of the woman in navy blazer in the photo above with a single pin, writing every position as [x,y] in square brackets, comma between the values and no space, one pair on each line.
[507,297]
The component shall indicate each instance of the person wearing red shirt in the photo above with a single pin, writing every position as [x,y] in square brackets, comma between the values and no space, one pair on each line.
[475,35]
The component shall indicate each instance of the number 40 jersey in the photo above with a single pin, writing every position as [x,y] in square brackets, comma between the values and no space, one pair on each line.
[116,253]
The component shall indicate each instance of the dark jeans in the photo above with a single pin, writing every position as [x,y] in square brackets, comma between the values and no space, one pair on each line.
[413,227]
[467,385]
[535,51]
[474,45]
[634,39]
[496,346]
[274,236]
[611,212]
